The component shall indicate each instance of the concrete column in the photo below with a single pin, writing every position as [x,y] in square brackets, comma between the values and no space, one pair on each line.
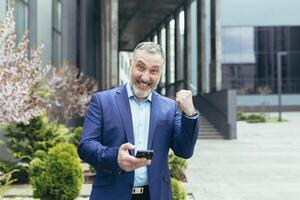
[216,71]
[177,41]
[109,44]
[187,55]
[201,17]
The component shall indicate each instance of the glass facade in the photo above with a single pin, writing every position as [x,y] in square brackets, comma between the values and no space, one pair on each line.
[56,32]
[178,37]
[162,42]
[20,14]
[171,59]
[193,48]
[21,17]
[180,50]
[251,57]
[2,10]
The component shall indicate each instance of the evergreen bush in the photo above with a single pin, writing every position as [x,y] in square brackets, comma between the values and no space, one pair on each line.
[76,136]
[256,118]
[58,174]
[177,166]
[24,140]
[178,191]
[241,116]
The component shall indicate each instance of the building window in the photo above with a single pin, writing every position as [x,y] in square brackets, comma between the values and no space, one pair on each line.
[21,16]
[155,39]
[56,32]
[2,10]
[255,51]
[180,51]
[162,41]
[172,51]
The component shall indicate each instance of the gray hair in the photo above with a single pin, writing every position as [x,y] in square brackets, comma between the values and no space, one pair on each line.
[150,47]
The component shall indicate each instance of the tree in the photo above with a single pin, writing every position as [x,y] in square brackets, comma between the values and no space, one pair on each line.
[22,97]
[71,92]
[27,89]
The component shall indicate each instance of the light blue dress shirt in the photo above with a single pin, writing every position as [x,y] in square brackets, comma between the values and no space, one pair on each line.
[140,112]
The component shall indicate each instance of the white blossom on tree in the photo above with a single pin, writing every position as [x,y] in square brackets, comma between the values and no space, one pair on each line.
[28,90]
[20,74]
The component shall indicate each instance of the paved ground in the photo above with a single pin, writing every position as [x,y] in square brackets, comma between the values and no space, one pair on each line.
[24,192]
[262,164]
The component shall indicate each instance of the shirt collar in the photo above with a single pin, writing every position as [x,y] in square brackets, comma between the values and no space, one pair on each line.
[130,93]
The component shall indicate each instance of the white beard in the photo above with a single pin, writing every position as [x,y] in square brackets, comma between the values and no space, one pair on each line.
[137,92]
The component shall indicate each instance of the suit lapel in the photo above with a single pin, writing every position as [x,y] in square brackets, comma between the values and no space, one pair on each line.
[125,113]
[153,118]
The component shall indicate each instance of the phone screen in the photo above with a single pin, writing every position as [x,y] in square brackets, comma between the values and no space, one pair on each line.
[148,154]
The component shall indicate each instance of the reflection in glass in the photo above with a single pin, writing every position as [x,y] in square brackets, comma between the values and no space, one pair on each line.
[2,10]
[57,15]
[180,51]
[21,17]
[193,48]
[172,51]
[238,45]
[181,22]
[56,33]
[163,45]
[249,58]
[155,38]
[56,57]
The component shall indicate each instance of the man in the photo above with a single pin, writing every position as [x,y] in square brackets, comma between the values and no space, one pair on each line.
[134,117]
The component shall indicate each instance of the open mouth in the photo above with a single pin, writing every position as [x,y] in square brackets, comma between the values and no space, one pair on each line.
[143,85]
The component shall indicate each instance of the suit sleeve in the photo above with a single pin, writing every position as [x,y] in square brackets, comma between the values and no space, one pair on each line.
[185,134]
[90,148]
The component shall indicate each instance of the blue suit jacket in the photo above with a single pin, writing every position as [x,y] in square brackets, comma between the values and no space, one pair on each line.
[108,125]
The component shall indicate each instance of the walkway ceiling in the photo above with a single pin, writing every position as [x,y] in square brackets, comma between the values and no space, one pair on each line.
[137,18]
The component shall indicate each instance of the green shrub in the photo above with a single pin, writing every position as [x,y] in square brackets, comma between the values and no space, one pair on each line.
[57,175]
[177,166]
[76,136]
[178,191]
[256,119]
[241,116]
[24,140]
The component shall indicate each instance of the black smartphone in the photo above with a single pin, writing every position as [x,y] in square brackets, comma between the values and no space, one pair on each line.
[144,154]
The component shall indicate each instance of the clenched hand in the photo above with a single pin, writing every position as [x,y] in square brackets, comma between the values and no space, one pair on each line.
[184,100]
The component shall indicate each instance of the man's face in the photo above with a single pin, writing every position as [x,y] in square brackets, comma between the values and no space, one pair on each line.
[145,73]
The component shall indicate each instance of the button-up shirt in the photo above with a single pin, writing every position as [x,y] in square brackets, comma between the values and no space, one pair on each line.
[140,113]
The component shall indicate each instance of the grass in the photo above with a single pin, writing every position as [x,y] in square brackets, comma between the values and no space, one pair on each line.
[258,118]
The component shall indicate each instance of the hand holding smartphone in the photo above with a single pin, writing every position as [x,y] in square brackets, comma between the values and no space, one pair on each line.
[148,154]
